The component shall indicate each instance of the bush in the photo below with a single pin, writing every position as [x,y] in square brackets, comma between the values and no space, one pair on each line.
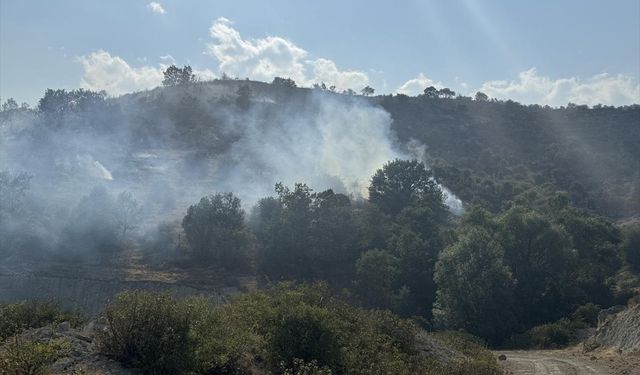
[309,333]
[17,317]
[631,246]
[586,316]
[546,336]
[22,357]
[149,331]
[292,330]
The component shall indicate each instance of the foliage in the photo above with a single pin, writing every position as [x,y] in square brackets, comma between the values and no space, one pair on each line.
[546,336]
[631,246]
[17,317]
[586,315]
[286,82]
[285,329]
[174,76]
[306,235]
[149,331]
[402,183]
[475,287]
[24,357]
[216,231]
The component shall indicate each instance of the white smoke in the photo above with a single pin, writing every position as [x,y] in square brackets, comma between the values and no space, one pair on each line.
[419,152]
[93,167]
[338,144]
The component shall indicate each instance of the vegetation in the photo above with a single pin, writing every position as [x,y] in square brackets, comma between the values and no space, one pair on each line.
[16,317]
[215,229]
[20,357]
[286,329]
[532,259]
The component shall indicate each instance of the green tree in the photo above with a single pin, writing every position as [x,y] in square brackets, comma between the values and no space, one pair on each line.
[285,82]
[174,76]
[595,241]
[431,92]
[402,183]
[542,263]
[215,229]
[475,287]
[9,105]
[416,260]
[446,93]
[481,97]
[376,278]
[367,91]
[307,235]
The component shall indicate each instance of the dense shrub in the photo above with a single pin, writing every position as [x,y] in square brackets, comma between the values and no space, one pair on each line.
[292,330]
[23,357]
[585,316]
[546,336]
[149,331]
[20,316]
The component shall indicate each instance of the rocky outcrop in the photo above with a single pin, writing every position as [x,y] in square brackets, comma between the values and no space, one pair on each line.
[82,357]
[619,329]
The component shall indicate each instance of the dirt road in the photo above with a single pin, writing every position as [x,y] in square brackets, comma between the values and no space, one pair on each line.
[556,362]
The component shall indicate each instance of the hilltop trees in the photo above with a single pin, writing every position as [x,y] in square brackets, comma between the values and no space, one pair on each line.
[284,82]
[368,91]
[481,97]
[174,76]
[432,92]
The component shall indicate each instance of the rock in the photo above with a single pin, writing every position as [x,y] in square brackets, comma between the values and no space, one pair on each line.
[618,329]
[64,326]
[502,357]
[62,364]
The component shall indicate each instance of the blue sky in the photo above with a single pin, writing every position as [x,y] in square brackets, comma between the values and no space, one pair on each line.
[545,51]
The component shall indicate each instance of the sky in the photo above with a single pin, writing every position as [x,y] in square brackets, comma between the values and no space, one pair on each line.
[545,51]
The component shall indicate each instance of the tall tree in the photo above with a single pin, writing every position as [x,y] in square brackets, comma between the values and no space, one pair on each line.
[475,287]
[174,76]
[215,229]
[401,183]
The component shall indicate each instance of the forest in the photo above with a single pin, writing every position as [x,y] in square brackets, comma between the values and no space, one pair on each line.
[375,218]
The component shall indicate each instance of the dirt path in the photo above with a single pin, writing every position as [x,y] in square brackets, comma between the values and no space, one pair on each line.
[551,362]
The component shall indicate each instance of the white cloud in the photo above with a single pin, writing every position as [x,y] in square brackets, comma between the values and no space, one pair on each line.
[534,88]
[326,71]
[272,56]
[417,85]
[102,71]
[156,7]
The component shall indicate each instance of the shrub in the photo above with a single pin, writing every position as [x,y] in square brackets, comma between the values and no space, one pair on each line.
[585,316]
[20,357]
[305,332]
[34,314]
[291,330]
[630,246]
[545,336]
[149,331]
